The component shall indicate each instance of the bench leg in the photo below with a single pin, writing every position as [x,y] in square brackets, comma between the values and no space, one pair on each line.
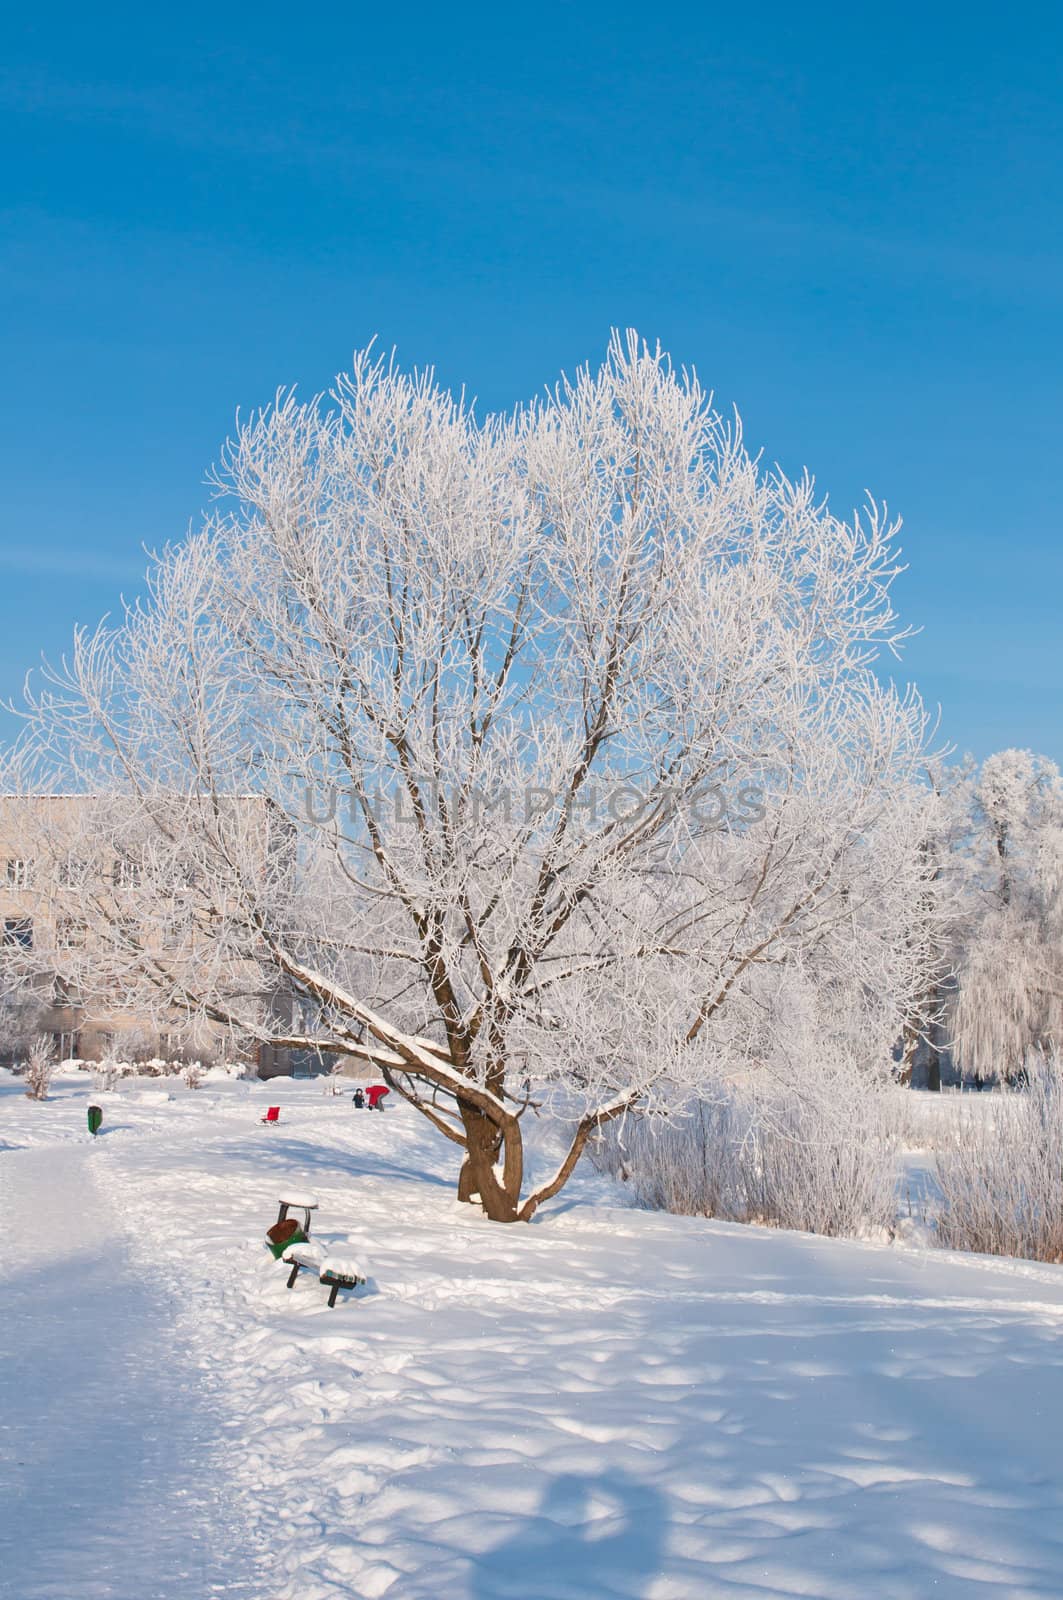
[332,1295]
[293,1274]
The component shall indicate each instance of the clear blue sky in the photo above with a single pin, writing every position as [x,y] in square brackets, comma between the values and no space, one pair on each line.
[848,218]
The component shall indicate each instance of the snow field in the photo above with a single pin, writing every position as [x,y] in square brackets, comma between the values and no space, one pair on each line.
[607,1403]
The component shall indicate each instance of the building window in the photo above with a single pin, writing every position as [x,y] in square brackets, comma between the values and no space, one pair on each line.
[18,872]
[69,933]
[18,931]
[71,872]
[125,873]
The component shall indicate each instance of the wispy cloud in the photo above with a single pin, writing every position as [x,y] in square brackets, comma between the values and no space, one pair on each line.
[71,564]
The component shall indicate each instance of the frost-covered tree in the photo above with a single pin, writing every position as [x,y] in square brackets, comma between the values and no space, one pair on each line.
[1009,1001]
[570,741]
[937,917]
[22,1006]
[40,1066]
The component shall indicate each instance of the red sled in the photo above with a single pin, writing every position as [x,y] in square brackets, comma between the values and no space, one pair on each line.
[272,1115]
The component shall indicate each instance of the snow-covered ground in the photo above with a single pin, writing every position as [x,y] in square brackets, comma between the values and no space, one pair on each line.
[606,1403]
[925,1125]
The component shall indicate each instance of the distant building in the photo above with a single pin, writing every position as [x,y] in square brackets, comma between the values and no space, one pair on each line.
[44,895]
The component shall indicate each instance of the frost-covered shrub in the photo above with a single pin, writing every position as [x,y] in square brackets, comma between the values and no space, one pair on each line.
[105,1076]
[39,1068]
[688,1165]
[821,1169]
[153,1067]
[1001,1176]
[789,1161]
[193,1074]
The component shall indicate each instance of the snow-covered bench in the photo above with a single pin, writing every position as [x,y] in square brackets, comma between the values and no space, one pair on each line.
[340,1271]
[335,1269]
[304,1257]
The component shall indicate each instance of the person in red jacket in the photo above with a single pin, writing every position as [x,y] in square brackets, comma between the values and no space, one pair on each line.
[375,1094]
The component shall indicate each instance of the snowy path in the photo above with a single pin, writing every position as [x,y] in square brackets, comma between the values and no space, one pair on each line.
[108,1490]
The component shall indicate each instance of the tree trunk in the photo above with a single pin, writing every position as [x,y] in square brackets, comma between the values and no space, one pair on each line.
[908,1049]
[478,1176]
[491,1134]
[934,1035]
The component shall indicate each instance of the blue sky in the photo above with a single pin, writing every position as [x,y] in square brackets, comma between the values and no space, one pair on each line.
[849,219]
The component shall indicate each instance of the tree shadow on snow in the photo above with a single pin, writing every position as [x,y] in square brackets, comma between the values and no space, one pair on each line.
[290,1155]
[590,1535]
